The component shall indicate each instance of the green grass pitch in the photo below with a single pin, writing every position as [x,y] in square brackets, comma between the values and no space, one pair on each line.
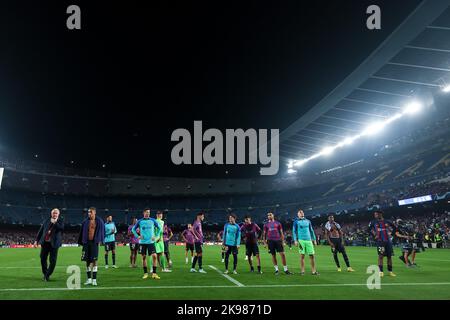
[20,278]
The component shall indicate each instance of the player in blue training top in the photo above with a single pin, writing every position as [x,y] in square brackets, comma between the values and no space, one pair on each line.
[305,238]
[145,230]
[110,240]
[231,241]
[380,230]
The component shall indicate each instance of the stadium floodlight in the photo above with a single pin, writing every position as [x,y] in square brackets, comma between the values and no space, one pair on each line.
[446,88]
[299,163]
[412,108]
[327,151]
[290,164]
[373,129]
[291,171]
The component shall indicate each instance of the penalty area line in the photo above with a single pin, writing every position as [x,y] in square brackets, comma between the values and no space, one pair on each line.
[242,286]
[227,277]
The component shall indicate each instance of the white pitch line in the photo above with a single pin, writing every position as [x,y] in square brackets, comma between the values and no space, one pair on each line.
[227,277]
[221,286]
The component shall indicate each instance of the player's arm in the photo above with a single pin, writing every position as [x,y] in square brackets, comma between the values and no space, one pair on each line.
[39,235]
[258,232]
[280,229]
[294,232]
[238,237]
[134,230]
[224,237]
[341,234]
[264,237]
[312,233]
[102,231]
[115,229]
[170,234]
[327,236]
[372,230]
[183,237]
[194,232]
[59,225]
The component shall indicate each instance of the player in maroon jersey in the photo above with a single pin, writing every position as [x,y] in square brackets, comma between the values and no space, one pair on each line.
[251,232]
[273,238]
[188,238]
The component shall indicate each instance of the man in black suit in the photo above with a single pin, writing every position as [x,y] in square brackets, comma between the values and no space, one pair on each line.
[50,239]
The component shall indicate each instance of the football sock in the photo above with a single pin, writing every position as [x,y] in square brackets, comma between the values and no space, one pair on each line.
[336,260]
[94,273]
[194,262]
[114,258]
[347,262]
[227,258]
[200,261]
[106,259]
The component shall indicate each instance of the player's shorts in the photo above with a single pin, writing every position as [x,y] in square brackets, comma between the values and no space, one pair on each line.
[189,247]
[338,246]
[251,249]
[275,246]
[232,250]
[90,252]
[407,247]
[147,248]
[198,246]
[384,248]
[134,247]
[306,247]
[159,246]
[109,246]
[166,246]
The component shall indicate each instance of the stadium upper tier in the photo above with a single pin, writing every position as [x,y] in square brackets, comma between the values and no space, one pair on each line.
[379,180]
[423,142]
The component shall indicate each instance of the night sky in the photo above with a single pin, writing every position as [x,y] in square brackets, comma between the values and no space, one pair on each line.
[113,92]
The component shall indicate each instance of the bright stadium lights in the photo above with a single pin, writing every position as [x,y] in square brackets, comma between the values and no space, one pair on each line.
[412,108]
[327,151]
[373,129]
[291,171]
[446,88]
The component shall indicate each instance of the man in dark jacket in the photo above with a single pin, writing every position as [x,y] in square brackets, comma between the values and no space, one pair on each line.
[50,239]
[91,235]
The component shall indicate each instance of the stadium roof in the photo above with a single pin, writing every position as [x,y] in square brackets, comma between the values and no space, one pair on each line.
[412,61]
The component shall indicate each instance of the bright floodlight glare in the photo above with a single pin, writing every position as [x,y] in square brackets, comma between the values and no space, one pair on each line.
[299,163]
[291,171]
[290,164]
[446,89]
[374,128]
[326,151]
[413,107]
